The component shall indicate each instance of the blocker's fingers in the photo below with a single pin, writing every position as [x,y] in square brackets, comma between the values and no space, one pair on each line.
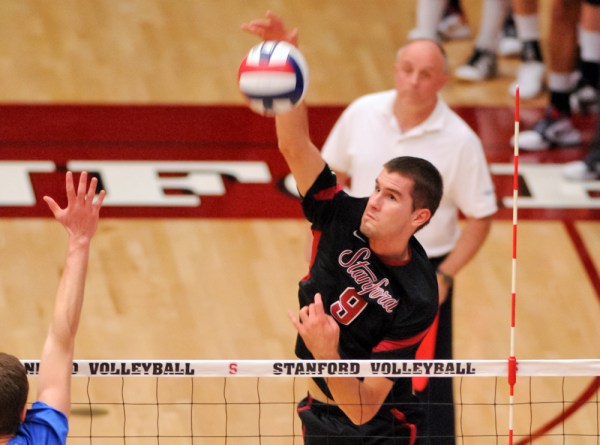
[52,205]
[82,185]
[70,187]
[91,191]
[100,199]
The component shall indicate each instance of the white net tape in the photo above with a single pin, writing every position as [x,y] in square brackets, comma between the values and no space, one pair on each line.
[322,368]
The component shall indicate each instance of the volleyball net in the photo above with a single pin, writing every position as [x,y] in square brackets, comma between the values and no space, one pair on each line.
[254,401]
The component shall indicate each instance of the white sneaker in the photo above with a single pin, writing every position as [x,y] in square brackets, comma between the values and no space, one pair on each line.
[481,66]
[553,130]
[509,47]
[530,79]
[454,27]
[579,171]
[584,100]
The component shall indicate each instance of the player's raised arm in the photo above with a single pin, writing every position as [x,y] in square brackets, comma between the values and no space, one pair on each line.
[80,219]
[302,156]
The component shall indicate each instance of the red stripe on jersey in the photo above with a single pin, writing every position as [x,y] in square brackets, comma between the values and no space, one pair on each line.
[328,193]
[315,244]
[307,406]
[412,427]
[316,234]
[390,345]
[426,351]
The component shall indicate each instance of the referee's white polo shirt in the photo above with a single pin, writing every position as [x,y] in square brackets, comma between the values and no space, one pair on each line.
[367,135]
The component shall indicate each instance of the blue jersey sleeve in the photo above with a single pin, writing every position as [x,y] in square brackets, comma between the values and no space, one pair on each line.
[43,425]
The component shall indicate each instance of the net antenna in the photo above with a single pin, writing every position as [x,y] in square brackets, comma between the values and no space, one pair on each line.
[512,359]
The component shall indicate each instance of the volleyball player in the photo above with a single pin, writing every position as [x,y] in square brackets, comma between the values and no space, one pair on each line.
[412,119]
[371,292]
[46,422]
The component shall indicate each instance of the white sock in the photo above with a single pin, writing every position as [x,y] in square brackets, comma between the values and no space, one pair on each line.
[493,16]
[429,15]
[528,27]
[589,41]
[562,82]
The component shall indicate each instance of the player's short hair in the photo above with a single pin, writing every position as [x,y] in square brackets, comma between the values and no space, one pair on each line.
[427,182]
[14,389]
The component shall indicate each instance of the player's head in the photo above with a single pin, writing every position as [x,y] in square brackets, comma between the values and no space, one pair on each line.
[14,389]
[421,70]
[407,193]
[427,181]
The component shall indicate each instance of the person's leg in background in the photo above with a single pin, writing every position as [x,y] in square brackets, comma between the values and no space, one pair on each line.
[482,63]
[589,40]
[454,24]
[530,75]
[510,45]
[556,128]
[429,15]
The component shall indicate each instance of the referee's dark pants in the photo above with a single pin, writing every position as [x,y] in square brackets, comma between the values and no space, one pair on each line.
[437,396]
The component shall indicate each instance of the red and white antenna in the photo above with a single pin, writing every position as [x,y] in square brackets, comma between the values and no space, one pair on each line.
[512,360]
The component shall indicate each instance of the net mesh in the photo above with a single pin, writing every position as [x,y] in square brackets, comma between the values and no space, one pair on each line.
[254,402]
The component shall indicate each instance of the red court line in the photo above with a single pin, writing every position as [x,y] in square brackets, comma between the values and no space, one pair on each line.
[584,255]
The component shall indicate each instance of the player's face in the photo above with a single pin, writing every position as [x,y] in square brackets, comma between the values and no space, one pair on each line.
[419,73]
[389,212]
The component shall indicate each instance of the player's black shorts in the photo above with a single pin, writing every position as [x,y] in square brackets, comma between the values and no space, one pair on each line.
[324,424]
[593,2]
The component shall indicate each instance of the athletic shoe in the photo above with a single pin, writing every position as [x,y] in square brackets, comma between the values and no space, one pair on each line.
[584,100]
[579,171]
[454,27]
[481,66]
[530,79]
[510,45]
[554,130]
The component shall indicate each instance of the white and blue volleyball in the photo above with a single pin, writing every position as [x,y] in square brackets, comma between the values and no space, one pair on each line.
[273,77]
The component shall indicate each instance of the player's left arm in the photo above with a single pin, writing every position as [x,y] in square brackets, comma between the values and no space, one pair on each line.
[474,233]
[475,197]
[80,219]
[359,399]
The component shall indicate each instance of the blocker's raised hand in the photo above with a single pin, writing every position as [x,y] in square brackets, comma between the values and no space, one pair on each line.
[80,216]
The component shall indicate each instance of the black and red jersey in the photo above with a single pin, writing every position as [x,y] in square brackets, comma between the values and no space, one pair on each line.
[383,310]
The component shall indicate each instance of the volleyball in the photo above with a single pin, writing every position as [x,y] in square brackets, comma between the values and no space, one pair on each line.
[273,77]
